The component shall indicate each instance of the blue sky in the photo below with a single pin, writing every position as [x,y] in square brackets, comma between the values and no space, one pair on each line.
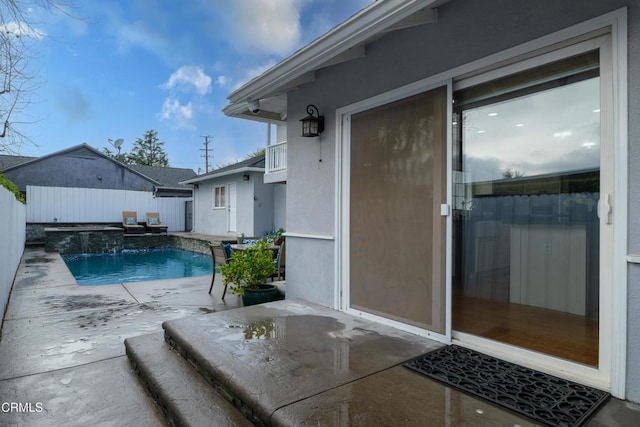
[119,68]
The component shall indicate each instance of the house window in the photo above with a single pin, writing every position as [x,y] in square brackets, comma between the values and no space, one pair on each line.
[219,198]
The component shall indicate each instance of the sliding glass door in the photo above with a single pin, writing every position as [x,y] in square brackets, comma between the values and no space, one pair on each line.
[527,184]
[397,236]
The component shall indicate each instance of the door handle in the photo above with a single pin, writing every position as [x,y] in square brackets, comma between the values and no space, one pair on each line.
[605,208]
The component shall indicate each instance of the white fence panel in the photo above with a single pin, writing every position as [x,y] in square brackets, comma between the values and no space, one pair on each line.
[171,213]
[12,233]
[89,205]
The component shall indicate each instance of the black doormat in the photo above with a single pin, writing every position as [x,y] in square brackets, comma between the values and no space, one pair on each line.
[547,399]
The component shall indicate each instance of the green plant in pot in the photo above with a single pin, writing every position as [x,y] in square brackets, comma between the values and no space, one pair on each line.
[276,235]
[247,271]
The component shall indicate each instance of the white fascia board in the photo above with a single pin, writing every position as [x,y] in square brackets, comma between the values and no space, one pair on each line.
[221,174]
[356,30]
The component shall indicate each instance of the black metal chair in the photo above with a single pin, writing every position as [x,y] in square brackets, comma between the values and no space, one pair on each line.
[280,263]
[218,256]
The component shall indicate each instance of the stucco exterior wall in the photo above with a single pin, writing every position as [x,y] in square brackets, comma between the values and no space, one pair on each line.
[279,206]
[465,31]
[206,219]
[254,214]
[263,205]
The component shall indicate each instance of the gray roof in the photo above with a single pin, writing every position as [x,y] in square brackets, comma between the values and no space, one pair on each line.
[253,162]
[7,161]
[164,176]
[167,176]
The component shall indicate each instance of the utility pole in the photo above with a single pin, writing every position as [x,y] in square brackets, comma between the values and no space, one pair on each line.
[206,152]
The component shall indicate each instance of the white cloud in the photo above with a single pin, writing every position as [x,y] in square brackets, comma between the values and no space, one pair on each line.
[179,115]
[223,81]
[265,26]
[187,77]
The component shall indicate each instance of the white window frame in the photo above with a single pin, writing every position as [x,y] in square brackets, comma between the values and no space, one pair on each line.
[613,23]
[216,198]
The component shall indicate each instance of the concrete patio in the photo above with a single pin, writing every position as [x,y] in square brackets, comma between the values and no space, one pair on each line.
[284,363]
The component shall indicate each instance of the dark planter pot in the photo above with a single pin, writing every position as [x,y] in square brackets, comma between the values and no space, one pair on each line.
[265,293]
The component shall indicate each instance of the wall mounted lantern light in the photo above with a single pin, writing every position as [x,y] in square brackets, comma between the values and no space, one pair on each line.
[313,124]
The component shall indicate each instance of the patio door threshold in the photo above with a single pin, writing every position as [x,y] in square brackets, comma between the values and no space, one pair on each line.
[399,325]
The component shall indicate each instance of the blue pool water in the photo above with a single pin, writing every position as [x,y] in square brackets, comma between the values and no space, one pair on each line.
[137,265]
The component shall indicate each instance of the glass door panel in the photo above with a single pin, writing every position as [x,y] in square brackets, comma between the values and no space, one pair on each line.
[526,230]
[397,234]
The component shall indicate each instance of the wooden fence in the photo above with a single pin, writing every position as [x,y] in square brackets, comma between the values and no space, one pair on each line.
[88,205]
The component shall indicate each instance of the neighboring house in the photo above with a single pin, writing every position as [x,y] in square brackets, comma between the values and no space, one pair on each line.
[7,161]
[234,199]
[477,180]
[169,178]
[82,166]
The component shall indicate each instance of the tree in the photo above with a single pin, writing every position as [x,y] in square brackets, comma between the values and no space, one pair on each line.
[512,173]
[148,151]
[121,157]
[256,153]
[17,83]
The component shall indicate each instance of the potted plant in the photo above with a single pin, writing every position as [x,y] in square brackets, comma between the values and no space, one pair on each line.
[277,236]
[247,271]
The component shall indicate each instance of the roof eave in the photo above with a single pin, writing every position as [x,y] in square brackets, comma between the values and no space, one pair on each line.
[221,174]
[354,31]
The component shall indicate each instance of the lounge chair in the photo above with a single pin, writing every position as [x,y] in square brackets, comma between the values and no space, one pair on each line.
[130,222]
[220,255]
[153,223]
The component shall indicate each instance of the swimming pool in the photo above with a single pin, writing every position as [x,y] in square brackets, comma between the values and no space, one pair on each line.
[137,265]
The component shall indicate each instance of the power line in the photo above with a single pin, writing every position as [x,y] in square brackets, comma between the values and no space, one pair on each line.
[206,150]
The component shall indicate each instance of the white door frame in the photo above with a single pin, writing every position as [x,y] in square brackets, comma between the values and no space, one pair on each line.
[615,327]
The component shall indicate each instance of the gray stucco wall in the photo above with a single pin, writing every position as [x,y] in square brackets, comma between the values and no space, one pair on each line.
[279,206]
[206,219]
[263,204]
[254,215]
[80,168]
[465,31]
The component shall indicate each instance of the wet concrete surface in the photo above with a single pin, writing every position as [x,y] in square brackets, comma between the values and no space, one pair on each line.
[296,363]
[281,352]
[62,344]
[62,348]
[415,402]
[104,393]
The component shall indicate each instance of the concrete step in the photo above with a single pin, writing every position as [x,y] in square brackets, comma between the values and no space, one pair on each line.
[182,394]
[269,356]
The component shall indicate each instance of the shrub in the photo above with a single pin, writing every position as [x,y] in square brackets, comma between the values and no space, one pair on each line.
[9,185]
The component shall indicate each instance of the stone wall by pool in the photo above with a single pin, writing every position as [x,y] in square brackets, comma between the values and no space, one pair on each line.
[83,240]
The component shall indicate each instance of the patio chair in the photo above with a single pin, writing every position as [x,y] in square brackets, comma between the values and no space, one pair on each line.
[220,255]
[153,223]
[280,262]
[130,222]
